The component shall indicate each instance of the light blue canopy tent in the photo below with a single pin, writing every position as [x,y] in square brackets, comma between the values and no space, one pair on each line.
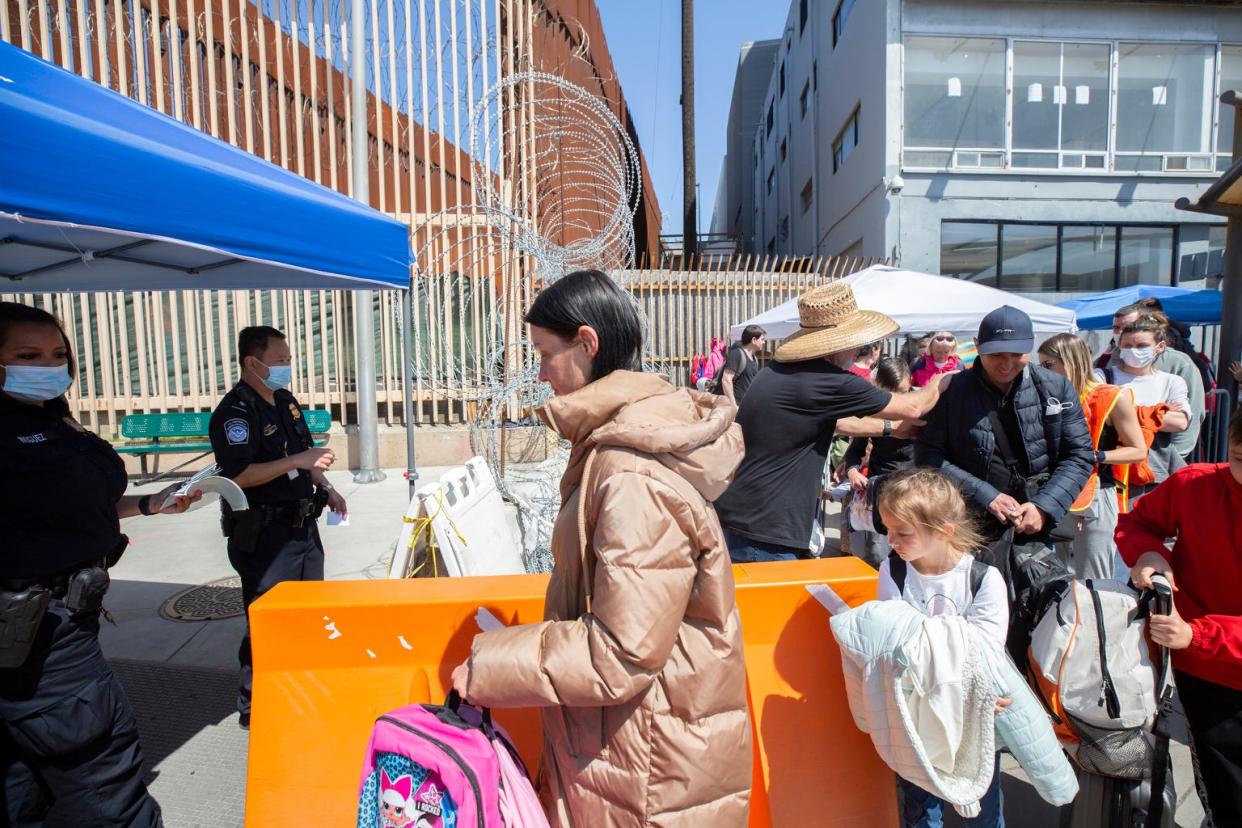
[99,192]
[1192,307]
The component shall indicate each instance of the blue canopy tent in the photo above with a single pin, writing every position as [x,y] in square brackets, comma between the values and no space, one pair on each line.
[99,192]
[1193,307]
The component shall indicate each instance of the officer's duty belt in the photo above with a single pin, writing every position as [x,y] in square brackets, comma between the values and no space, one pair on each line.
[293,514]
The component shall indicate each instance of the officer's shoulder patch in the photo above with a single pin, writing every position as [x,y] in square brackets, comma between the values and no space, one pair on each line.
[237,431]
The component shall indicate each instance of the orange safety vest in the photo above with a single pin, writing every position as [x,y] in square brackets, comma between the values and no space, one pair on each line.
[1097,407]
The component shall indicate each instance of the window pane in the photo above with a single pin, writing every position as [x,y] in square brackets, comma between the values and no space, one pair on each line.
[1146,256]
[1036,95]
[955,92]
[1162,97]
[1035,160]
[1132,163]
[1087,258]
[937,159]
[968,251]
[1030,263]
[1201,255]
[1230,78]
[1084,115]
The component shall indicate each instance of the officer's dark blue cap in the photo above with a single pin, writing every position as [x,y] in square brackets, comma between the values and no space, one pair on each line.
[1006,330]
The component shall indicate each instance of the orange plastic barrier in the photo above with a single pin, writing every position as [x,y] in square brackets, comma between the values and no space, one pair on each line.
[332,656]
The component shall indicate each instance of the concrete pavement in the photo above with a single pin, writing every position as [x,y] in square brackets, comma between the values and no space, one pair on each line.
[181,676]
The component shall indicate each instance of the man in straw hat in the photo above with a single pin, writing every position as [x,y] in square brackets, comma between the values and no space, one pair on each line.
[789,416]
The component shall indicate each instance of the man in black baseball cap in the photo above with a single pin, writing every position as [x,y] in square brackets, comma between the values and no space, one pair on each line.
[1011,434]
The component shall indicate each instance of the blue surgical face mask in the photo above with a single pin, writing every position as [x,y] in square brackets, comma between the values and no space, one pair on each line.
[36,383]
[278,376]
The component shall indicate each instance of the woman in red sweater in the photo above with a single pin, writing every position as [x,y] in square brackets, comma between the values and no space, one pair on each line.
[1200,505]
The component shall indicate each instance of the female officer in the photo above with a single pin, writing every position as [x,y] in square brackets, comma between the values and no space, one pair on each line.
[68,731]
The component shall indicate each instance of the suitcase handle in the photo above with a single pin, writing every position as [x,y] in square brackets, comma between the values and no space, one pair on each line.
[1163,591]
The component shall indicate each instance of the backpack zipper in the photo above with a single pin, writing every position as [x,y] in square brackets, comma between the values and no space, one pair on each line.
[1109,694]
[452,754]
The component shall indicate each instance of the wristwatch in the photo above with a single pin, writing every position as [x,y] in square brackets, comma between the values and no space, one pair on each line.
[1100,458]
[888,428]
[144,506]
[328,487]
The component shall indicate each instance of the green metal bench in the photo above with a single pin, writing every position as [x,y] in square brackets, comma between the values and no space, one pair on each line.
[186,433]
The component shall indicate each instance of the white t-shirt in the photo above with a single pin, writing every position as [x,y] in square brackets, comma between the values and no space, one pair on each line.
[949,594]
[1152,389]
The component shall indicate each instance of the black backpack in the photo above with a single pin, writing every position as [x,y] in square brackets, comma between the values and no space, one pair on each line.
[897,571]
[1035,577]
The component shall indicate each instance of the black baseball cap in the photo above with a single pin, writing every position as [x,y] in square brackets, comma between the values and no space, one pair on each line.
[1006,330]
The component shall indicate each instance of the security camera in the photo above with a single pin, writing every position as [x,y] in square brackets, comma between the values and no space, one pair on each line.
[896,184]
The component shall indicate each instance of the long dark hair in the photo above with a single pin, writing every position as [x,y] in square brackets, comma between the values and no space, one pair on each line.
[589,297]
[13,314]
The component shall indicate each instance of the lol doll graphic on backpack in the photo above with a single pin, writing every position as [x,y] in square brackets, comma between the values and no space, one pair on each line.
[433,766]
[401,794]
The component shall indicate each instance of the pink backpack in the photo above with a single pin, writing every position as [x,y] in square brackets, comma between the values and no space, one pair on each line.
[431,766]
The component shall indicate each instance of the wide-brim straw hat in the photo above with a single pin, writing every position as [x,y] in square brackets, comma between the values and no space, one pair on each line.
[829,321]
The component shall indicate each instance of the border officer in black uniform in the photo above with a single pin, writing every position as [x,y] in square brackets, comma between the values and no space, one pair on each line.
[262,442]
[66,727]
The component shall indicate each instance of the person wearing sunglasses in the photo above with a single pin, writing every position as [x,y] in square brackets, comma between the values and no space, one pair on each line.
[941,358]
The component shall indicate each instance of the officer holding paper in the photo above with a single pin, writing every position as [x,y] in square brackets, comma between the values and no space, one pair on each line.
[66,728]
[261,441]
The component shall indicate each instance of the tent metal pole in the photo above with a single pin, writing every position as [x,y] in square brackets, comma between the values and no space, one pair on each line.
[364,320]
[407,404]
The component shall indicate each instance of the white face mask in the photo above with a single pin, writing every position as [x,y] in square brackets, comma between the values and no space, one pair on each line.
[1138,357]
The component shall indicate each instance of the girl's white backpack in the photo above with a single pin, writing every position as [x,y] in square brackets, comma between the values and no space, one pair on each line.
[1090,660]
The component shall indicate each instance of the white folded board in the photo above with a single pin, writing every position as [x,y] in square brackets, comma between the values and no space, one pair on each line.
[475,530]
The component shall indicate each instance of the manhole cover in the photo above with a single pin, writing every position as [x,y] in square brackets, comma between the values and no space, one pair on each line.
[208,602]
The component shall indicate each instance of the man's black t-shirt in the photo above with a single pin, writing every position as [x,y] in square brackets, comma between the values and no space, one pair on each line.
[788,421]
[744,367]
[246,429]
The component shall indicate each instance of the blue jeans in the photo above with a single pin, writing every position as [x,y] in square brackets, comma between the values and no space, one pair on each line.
[921,809]
[748,550]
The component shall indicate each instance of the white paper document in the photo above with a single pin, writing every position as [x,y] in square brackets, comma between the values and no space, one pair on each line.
[831,601]
[486,621]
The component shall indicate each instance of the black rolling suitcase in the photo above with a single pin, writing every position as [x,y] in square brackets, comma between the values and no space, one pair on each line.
[1105,802]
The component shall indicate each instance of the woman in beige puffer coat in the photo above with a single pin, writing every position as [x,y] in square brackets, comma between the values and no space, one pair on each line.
[638,666]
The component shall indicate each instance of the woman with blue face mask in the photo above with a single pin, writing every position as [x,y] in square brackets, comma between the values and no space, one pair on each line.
[67,725]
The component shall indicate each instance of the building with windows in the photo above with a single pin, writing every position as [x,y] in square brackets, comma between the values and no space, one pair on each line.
[734,210]
[1034,146]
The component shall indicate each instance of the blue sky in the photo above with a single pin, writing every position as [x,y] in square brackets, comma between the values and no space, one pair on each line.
[644,37]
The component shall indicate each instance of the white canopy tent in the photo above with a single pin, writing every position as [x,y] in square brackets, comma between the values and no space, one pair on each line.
[920,302]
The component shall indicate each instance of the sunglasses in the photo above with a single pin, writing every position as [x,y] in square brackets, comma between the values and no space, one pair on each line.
[944,338]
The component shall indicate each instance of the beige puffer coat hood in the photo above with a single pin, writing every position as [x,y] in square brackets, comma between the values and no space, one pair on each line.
[640,677]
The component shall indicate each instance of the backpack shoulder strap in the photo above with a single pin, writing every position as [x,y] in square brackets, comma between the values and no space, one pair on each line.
[897,571]
[978,571]
[1108,375]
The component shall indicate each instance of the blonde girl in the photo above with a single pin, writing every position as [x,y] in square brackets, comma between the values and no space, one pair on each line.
[932,536]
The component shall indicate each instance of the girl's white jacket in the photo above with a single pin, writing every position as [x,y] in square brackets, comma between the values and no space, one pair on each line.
[925,688]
